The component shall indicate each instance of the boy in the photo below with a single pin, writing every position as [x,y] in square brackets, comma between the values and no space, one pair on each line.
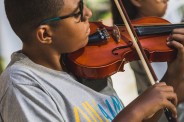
[34,86]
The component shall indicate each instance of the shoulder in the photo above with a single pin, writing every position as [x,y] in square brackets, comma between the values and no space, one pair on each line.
[19,85]
[18,68]
[16,74]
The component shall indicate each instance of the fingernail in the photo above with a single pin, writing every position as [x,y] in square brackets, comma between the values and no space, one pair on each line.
[169,38]
[168,42]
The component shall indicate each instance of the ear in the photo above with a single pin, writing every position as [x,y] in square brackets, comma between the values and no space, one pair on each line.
[136,3]
[44,34]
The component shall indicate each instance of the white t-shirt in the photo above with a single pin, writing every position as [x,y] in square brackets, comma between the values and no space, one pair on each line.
[32,93]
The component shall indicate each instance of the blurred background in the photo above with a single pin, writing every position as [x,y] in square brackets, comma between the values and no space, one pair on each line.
[124,82]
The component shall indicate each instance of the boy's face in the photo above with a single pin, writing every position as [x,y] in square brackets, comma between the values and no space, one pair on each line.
[71,34]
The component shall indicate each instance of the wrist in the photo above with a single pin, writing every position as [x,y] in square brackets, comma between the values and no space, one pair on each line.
[130,113]
[176,83]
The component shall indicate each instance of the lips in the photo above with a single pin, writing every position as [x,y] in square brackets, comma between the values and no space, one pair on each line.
[88,31]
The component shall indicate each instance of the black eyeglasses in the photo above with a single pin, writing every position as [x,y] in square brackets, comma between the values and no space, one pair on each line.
[80,13]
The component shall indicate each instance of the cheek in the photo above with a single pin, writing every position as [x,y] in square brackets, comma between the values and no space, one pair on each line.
[71,39]
[79,36]
[162,10]
[78,40]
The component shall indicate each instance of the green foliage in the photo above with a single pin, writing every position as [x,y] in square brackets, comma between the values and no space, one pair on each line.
[100,9]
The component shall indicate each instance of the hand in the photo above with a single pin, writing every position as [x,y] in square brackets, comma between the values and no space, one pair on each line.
[155,98]
[175,73]
[148,103]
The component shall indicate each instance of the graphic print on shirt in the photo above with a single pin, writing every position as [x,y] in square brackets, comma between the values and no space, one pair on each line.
[95,112]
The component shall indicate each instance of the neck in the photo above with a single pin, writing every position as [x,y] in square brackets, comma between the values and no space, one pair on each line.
[46,58]
[139,15]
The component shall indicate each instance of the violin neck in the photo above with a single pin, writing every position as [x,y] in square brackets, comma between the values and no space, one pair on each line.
[156,29]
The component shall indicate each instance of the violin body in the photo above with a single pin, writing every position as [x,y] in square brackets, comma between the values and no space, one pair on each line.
[104,58]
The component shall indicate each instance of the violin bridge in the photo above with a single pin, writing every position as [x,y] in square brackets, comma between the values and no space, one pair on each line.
[116,33]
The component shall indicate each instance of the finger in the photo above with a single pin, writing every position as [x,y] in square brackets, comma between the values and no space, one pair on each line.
[178,37]
[172,97]
[171,107]
[176,44]
[179,47]
[160,84]
[162,87]
[178,31]
[167,88]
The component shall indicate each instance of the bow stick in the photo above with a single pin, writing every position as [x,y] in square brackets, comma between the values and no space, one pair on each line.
[147,66]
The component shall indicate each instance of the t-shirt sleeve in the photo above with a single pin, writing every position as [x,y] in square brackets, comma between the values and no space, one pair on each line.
[28,103]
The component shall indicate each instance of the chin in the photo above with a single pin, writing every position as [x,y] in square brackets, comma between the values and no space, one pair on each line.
[86,42]
[82,46]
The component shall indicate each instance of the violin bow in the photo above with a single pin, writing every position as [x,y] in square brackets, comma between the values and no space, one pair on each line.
[147,66]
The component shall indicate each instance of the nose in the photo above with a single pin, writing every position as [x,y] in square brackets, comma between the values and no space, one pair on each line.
[87,13]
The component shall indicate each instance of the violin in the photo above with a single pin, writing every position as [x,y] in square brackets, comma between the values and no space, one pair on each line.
[110,48]
[121,46]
